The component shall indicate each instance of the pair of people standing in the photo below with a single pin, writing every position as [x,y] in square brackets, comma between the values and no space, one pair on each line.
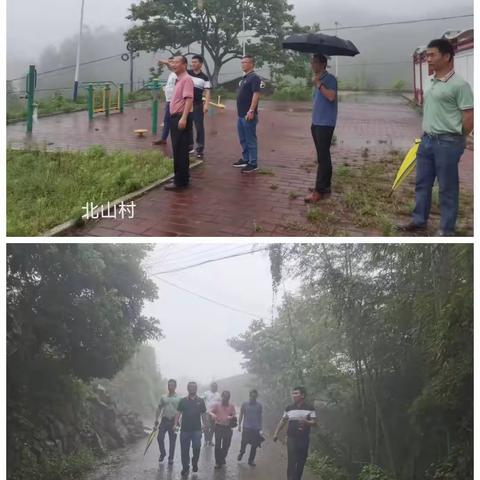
[323,122]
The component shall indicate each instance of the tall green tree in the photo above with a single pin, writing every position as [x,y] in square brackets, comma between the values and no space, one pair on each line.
[215,26]
[76,307]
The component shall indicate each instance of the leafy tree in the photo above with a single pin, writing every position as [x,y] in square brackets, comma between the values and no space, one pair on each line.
[79,306]
[216,26]
[74,312]
[381,335]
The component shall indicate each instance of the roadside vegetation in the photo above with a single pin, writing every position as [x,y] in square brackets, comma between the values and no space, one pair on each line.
[47,188]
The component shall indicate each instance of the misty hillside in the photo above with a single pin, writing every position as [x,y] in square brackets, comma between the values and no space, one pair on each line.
[239,387]
[385,52]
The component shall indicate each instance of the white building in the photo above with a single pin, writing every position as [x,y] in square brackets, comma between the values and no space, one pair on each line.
[462,42]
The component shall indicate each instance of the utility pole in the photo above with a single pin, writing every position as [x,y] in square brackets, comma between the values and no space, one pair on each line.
[336,58]
[132,55]
[243,26]
[77,64]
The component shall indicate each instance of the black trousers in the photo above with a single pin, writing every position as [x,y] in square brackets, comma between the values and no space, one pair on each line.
[223,439]
[198,117]
[249,436]
[181,159]
[166,425]
[297,449]
[322,136]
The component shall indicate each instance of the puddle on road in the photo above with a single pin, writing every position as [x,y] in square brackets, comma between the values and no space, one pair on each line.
[347,97]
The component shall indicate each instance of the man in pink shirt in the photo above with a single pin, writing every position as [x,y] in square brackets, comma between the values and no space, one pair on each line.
[223,414]
[180,123]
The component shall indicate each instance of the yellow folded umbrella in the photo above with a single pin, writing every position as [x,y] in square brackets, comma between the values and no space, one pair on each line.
[150,440]
[407,166]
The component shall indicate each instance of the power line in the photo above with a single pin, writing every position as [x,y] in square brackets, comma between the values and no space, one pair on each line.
[401,22]
[66,67]
[209,261]
[194,256]
[211,300]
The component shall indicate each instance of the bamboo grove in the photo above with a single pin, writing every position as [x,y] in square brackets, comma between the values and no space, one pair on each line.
[382,337]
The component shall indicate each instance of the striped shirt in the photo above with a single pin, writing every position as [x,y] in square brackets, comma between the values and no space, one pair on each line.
[294,414]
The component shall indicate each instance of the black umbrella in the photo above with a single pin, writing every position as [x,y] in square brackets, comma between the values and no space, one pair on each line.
[320,43]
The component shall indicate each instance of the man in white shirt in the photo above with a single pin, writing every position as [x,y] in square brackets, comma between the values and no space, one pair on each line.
[211,398]
[168,89]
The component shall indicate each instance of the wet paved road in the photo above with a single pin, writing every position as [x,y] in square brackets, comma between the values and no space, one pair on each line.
[223,202]
[129,464]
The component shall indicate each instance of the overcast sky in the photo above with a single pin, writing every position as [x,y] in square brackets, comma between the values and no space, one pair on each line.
[196,330]
[33,25]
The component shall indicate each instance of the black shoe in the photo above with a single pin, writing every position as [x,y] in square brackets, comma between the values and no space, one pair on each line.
[162,457]
[411,227]
[194,467]
[240,163]
[240,456]
[252,464]
[249,168]
[185,472]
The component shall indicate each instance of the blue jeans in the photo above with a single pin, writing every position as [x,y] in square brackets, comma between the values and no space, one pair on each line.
[195,438]
[438,156]
[247,134]
[166,122]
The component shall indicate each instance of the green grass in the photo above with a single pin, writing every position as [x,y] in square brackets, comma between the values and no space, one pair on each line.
[361,201]
[365,199]
[46,189]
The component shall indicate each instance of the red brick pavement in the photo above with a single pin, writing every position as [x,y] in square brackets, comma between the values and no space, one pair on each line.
[221,201]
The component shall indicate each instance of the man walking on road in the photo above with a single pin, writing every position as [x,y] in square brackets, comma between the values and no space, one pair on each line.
[223,414]
[447,119]
[192,411]
[211,398]
[248,96]
[251,418]
[180,123]
[324,119]
[167,410]
[201,84]
[300,417]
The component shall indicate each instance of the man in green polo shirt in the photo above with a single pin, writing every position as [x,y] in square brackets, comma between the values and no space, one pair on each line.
[447,119]
[167,409]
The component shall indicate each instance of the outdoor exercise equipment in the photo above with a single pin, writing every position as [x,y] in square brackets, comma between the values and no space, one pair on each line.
[31,83]
[155,86]
[218,104]
[104,97]
[140,132]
